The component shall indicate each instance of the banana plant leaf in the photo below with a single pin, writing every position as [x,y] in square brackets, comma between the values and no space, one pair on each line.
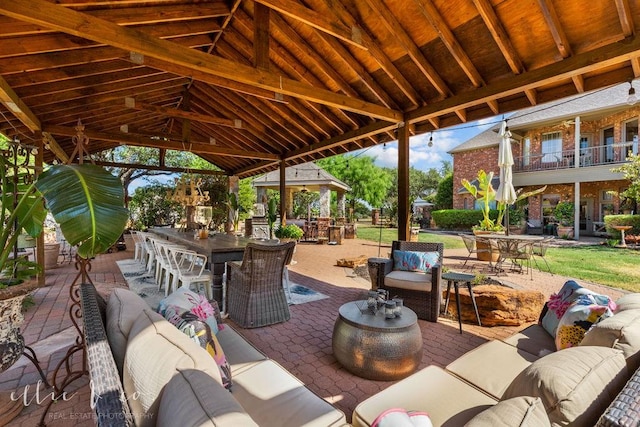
[88,204]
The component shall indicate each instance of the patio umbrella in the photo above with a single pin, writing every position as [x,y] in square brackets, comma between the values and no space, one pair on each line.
[506,193]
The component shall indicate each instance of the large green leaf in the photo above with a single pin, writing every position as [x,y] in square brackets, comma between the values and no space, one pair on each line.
[88,203]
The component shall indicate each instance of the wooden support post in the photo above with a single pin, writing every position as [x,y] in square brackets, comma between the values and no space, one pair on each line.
[403,183]
[283,193]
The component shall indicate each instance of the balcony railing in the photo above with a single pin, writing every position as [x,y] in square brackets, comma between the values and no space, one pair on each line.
[590,156]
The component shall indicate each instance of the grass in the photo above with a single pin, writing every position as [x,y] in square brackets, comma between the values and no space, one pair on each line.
[603,265]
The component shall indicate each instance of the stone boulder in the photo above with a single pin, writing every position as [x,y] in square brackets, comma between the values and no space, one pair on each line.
[497,305]
[352,262]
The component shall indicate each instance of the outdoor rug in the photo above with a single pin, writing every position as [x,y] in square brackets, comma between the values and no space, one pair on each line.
[144,284]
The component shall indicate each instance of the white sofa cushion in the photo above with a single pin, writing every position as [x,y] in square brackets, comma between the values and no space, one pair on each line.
[123,308]
[193,398]
[533,339]
[628,302]
[576,384]
[410,280]
[447,399]
[156,352]
[522,411]
[240,354]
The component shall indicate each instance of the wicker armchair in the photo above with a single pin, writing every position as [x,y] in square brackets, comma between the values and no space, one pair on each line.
[420,292]
[256,296]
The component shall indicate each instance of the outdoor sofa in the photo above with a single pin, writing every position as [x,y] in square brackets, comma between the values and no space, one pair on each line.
[523,381]
[145,372]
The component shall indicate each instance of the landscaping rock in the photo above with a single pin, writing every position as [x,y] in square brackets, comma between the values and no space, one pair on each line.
[352,262]
[498,305]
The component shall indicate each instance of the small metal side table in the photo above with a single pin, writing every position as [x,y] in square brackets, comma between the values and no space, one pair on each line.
[455,279]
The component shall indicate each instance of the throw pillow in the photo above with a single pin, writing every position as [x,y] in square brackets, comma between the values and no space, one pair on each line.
[185,300]
[558,304]
[200,332]
[575,385]
[415,261]
[398,417]
[524,411]
[622,332]
[583,313]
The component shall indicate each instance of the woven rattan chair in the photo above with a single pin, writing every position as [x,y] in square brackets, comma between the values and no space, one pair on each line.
[255,293]
[420,291]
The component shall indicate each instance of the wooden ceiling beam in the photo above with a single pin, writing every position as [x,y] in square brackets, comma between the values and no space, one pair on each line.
[146,141]
[50,143]
[558,34]
[635,64]
[414,52]
[17,106]
[158,168]
[626,18]
[295,10]
[376,52]
[493,104]
[578,82]
[172,112]
[261,23]
[445,34]
[532,96]
[82,25]
[499,34]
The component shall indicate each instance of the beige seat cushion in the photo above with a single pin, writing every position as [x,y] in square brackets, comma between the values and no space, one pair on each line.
[622,332]
[193,398]
[492,366]
[522,411]
[123,308]
[576,384]
[239,353]
[410,280]
[449,401]
[628,302]
[156,352]
[533,339]
[274,397]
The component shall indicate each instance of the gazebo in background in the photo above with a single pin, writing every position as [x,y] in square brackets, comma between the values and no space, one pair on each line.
[301,178]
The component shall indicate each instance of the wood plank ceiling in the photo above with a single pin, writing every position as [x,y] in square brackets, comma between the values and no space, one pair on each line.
[247,84]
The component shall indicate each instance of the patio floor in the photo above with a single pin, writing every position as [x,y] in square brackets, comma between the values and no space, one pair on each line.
[302,345]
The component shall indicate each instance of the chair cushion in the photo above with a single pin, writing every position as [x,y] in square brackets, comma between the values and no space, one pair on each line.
[123,308]
[415,261]
[156,352]
[411,280]
[628,302]
[622,332]
[193,398]
[576,384]
[525,411]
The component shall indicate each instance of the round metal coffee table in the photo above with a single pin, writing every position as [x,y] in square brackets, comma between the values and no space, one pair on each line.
[370,346]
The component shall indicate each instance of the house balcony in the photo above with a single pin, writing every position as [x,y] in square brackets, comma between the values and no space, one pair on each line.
[593,164]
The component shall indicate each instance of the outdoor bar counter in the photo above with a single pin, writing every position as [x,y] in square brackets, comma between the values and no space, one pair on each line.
[219,249]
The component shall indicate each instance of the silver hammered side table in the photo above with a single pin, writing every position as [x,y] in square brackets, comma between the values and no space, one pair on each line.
[370,346]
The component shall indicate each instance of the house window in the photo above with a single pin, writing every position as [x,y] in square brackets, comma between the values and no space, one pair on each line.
[465,203]
[631,137]
[607,138]
[526,152]
[551,147]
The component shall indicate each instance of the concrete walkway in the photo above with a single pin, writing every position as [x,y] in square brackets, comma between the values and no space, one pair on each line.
[302,345]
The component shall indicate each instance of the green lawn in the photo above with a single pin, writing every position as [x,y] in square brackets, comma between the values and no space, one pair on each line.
[615,267]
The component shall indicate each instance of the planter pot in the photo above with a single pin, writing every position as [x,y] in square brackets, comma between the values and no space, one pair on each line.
[484,253]
[51,252]
[565,231]
[350,231]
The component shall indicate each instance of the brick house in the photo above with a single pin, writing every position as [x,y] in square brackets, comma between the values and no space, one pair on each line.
[569,145]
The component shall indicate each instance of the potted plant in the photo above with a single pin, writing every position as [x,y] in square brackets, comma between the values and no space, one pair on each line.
[289,232]
[486,194]
[564,212]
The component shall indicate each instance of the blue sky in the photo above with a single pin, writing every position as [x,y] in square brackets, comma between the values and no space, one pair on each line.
[423,157]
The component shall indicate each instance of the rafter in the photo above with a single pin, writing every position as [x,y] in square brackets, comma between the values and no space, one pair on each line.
[158,168]
[626,19]
[82,25]
[172,112]
[50,143]
[261,23]
[449,39]
[578,82]
[392,24]
[499,35]
[317,20]
[578,64]
[559,36]
[17,106]
[147,141]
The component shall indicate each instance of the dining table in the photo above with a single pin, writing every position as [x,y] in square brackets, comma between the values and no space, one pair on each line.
[514,239]
[219,248]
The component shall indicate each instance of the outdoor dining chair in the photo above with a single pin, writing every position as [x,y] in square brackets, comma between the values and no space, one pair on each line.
[196,273]
[519,252]
[472,248]
[255,291]
[540,250]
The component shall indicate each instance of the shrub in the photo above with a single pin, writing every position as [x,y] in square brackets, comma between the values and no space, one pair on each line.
[290,231]
[460,219]
[632,220]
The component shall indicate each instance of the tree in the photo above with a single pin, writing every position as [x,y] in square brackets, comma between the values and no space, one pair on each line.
[631,171]
[368,182]
[150,206]
[444,196]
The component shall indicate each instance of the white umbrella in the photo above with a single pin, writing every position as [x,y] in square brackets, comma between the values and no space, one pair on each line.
[506,193]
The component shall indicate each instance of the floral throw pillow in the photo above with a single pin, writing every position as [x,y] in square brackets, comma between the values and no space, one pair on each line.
[415,261]
[197,304]
[200,332]
[578,319]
